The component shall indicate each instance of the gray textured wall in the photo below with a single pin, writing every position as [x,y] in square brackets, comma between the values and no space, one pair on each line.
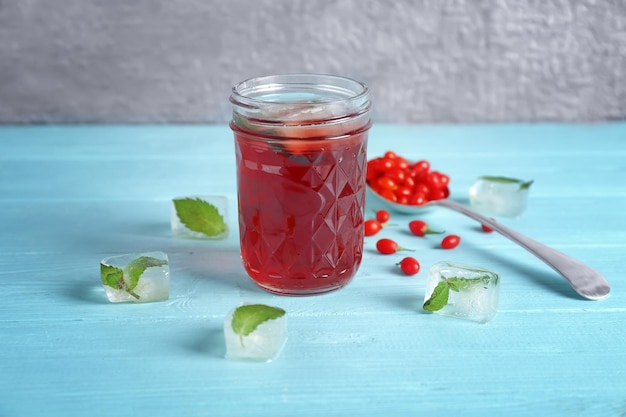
[425,60]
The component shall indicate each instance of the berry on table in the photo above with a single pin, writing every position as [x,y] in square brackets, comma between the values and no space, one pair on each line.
[372,227]
[409,265]
[450,242]
[382,216]
[421,228]
[486,228]
[387,246]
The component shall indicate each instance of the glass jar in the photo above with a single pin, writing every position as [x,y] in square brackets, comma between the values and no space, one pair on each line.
[300,142]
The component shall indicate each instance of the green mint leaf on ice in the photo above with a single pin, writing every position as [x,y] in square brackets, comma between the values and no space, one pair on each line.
[200,216]
[248,317]
[523,185]
[439,297]
[114,277]
[460,284]
[137,267]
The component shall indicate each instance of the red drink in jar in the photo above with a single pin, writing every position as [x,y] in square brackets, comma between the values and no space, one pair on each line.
[301,144]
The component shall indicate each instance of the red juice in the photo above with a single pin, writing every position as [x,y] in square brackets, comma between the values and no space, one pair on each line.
[300,142]
[301,213]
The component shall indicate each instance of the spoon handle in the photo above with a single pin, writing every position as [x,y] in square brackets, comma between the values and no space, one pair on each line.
[587,282]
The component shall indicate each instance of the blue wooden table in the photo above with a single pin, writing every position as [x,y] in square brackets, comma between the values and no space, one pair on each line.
[71,196]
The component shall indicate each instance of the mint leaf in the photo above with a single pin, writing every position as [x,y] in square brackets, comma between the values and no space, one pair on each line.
[439,298]
[248,317]
[503,180]
[455,284]
[137,267]
[461,284]
[112,276]
[200,216]
[523,185]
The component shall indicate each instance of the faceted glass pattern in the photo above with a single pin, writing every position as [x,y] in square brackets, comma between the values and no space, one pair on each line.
[301,212]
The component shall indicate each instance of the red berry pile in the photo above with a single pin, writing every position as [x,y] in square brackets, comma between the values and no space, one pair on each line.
[396,179]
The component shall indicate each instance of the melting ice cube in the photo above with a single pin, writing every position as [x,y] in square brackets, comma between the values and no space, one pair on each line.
[305,112]
[500,196]
[136,277]
[200,217]
[255,332]
[463,291]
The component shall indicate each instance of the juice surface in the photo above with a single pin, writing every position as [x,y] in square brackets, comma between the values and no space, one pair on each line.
[301,210]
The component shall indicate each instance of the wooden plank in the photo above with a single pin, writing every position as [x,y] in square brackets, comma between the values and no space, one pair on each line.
[70,196]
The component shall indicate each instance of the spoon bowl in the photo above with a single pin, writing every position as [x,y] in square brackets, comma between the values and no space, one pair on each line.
[396,207]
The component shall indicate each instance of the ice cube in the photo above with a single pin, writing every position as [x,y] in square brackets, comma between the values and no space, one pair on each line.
[266,336]
[136,277]
[306,112]
[307,109]
[463,291]
[200,217]
[500,196]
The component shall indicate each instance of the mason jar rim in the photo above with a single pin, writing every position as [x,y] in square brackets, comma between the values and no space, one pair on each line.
[243,92]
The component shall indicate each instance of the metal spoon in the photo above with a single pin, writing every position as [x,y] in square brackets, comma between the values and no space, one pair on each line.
[585,280]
